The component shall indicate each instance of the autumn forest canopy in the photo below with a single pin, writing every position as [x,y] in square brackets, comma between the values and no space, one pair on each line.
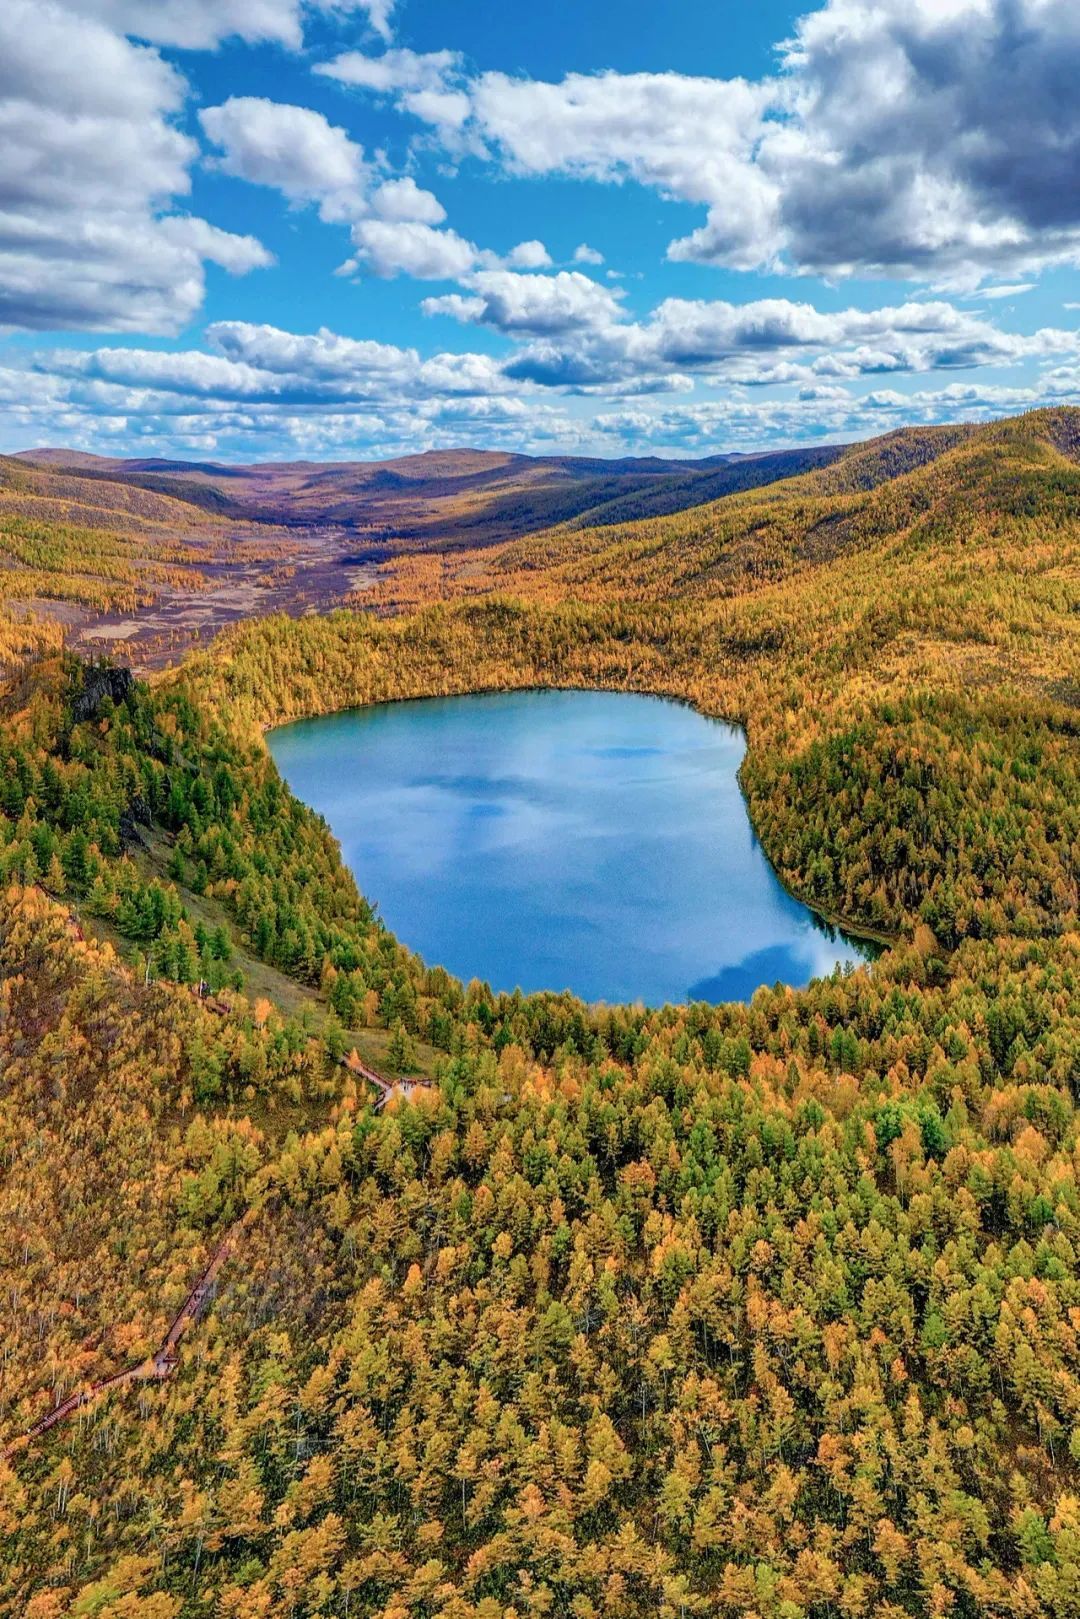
[756,1311]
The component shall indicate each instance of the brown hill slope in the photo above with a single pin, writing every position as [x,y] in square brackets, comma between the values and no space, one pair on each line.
[897,489]
[443,497]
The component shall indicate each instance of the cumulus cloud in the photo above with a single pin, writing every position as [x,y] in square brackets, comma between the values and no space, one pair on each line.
[774,342]
[426,84]
[313,396]
[192,235]
[296,150]
[391,247]
[403,199]
[932,140]
[310,160]
[404,240]
[260,391]
[316,357]
[764,342]
[816,413]
[584,254]
[395,70]
[204,24]
[93,168]
[531,304]
[575,337]
[263,365]
[936,140]
[689,137]
[530,255]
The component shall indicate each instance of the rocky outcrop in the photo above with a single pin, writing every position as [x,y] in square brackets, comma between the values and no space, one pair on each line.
[98,682]
[137,814]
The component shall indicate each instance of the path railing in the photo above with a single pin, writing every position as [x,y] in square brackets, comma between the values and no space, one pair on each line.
[162,1363]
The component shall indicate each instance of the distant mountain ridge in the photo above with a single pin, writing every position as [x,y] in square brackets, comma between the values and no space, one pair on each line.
[443,497]
[921,481]
[156,553]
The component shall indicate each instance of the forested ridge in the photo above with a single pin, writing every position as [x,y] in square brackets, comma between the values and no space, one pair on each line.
[898,496]
[760,1310]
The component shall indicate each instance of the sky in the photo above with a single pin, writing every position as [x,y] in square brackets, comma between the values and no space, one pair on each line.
[243,230]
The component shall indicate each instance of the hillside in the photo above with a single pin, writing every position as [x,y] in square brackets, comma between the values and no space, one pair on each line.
[750,1310]
[442,498]
[148,557]
[105,564]
[899,491]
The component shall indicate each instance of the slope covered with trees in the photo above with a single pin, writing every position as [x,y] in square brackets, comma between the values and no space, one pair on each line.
[959,485]
[440,498]
[753,1310]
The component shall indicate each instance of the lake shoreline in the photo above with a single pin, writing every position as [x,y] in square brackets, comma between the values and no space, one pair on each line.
[618,852]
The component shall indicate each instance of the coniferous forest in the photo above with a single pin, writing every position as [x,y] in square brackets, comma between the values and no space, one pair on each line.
[757,1311]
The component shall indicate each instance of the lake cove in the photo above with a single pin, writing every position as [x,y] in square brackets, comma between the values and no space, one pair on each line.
[590,841]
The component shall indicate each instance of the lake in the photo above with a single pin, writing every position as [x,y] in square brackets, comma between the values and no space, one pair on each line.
[591,841]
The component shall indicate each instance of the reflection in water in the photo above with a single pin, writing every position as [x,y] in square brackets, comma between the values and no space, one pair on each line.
[548,840]
[777,964]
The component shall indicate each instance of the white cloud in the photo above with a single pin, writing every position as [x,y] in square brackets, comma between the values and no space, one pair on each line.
[425,84]
[403,200]
[1014,289]
[197,237]
[379,13]
[395,70]
[829,414]
[666,128]
[448,110]
[258,391]
[690,138]
[531,255]
[470,311]
[937,140]
[263,364]
[93,165]
[317,357]
[204,24]
[584,254]
[764,342]
[294,149]
[294,416]
[192,373]
[531,304]
[389,247]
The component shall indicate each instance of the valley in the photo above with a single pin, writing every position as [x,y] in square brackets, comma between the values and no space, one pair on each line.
[160,555]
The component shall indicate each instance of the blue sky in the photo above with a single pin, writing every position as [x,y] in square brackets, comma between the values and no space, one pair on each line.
[271,229]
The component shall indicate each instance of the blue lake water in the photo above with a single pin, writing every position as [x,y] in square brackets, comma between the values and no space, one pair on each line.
[591,841]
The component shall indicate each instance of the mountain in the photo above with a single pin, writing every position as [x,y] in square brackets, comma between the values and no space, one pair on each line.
[151,555]
[891,490]
[439,497]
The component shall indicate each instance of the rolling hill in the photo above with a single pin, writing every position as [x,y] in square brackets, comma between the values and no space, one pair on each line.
[441,497]
[149,556]
[893,491]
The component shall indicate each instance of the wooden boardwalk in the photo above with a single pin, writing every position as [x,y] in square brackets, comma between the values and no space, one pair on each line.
[161,1364]
[386,1088]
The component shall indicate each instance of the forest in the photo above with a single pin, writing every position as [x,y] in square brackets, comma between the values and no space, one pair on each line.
[763,1311]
